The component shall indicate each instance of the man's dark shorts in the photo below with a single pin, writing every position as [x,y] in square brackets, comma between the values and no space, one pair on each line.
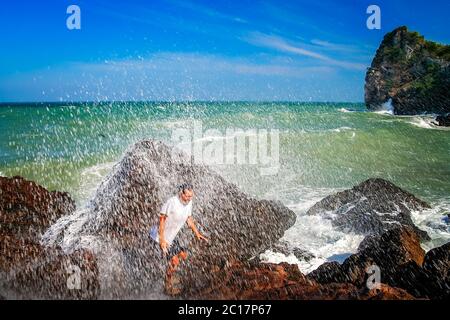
[174,249]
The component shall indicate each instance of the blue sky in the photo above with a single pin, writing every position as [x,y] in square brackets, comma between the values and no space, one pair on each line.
[199,50]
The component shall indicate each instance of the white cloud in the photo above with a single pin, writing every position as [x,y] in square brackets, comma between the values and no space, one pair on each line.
[284,45]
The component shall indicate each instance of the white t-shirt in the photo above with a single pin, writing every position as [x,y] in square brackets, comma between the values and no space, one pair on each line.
[177,214]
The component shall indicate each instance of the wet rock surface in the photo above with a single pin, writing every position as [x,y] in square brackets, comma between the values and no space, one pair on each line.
[401,261]
[285,248]
[372,207]
[117,220]
[28,209]
[388,251]
[107,242]
[27,268]
[246,281]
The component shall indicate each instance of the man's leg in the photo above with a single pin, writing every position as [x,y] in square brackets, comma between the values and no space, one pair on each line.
[183,255]
[178,253]
[175,261]
[173,264]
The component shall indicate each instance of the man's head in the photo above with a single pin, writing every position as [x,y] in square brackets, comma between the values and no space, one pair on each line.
[185,192]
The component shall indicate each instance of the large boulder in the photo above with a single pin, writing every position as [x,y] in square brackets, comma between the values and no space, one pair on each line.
[437,262]
[116,222]
[411,72]
[27,268]
[28,209]
[31,271]
[370,208]
[388,251]
[432,280]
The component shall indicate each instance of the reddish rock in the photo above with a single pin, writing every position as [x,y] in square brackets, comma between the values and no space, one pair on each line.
[385,292]
[28,269]
[28,209]
[247,281]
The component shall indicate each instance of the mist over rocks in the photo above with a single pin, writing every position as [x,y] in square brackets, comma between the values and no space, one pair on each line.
[29,270]
[108,240]
[116,222]
[371,208]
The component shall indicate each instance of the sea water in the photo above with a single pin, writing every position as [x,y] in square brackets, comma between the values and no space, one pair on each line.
[323,148]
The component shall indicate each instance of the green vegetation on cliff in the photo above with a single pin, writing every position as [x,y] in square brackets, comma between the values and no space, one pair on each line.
[411,71]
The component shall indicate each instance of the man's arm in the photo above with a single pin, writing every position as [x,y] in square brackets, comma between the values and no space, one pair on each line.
[162,224]
[191,224]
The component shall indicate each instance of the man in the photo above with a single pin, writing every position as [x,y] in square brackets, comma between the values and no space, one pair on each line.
[174,213]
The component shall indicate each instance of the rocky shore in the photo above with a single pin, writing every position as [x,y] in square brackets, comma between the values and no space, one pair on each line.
[43,238]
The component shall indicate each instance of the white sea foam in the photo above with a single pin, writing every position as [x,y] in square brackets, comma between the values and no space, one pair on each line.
[435,222]
[316,235]
[313,233]
[422,123]
[425,122]
[386,108]
[341,129]
[91,177]
[384,112]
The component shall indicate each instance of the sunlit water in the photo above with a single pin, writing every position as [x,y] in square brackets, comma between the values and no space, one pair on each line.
[323,148]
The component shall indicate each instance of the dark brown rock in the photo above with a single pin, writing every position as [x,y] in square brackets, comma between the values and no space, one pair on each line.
[389,252]
[243,281]
[49,273]
[429,281]
[28,209]
[371,208]
[27,268]
[287,249]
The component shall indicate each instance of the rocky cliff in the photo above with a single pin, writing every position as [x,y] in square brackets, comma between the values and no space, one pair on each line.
[411,72]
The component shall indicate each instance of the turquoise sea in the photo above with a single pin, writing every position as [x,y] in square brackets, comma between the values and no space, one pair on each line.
[323,147]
